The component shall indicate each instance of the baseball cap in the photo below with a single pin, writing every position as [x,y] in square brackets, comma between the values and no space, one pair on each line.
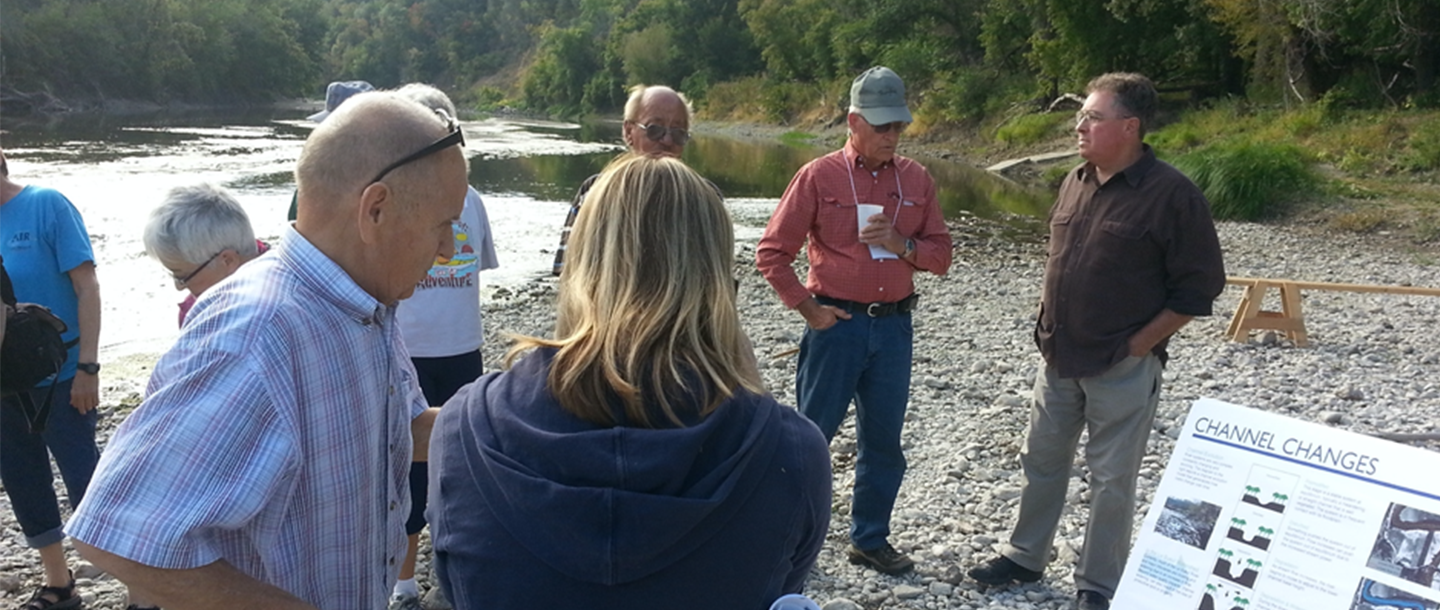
[878,94]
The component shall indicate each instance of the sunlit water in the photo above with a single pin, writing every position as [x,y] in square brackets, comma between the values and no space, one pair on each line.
[116,169]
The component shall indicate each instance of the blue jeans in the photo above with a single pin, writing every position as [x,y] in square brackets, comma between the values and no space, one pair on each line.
[25,461]
[868,360]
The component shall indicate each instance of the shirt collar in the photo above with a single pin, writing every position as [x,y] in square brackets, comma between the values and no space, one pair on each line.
[1133,174]
[326,279]
[855,157]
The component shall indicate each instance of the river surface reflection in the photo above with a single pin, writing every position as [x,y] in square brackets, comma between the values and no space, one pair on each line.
[117,168]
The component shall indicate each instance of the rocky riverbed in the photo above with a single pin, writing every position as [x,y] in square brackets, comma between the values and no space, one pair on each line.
[1372,366]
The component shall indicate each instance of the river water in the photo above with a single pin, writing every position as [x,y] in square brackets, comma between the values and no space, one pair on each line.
[117,168]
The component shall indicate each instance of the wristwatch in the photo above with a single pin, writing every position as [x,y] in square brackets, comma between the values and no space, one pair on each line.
[89,367]
[909,247]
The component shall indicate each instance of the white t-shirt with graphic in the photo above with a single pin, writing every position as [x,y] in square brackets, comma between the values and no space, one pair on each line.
[442,318]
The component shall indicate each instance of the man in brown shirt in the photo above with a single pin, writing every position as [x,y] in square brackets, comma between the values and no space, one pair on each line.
[1133,257]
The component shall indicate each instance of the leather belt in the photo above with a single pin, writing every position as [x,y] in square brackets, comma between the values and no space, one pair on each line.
[874,310]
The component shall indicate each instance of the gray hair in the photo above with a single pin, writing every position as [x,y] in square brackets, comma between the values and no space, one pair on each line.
[1134,93]
[429,96]
[637,97]
[196,222]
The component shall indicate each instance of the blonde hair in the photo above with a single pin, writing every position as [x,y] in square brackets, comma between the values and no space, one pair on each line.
[646,324]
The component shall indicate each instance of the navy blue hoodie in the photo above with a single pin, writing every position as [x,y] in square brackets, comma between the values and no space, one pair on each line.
[534,508]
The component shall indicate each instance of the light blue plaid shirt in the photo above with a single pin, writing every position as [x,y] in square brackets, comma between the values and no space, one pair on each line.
[275,436]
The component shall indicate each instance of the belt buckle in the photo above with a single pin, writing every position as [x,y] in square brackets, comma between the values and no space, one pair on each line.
[870,309]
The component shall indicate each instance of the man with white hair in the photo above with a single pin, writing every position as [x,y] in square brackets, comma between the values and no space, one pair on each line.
[267,467]
[657,122]
[872,221]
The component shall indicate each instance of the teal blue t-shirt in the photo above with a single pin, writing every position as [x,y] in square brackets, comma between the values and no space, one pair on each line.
[42,238]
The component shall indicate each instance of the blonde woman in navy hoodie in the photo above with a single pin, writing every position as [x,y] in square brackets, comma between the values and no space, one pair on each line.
[635,459]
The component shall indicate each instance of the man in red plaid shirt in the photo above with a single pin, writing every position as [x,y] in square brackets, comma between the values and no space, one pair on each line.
[872,221]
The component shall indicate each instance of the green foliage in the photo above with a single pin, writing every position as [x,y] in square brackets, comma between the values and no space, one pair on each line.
[1032,128]
[1424,147]
[1248,180]
[162,49]
[567,58]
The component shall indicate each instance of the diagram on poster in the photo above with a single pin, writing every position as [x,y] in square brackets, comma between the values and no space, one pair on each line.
[1407,546]
[1268,489]
[1373,595]
[1258,511]
[1252,526]
[1188,520]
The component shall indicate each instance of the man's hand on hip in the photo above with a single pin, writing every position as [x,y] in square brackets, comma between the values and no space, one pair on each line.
[821,317]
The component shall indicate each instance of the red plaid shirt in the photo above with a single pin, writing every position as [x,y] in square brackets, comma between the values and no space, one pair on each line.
[820,204]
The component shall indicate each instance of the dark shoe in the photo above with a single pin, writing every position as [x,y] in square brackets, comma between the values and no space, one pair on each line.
[885,559]
[1091,600]
[54,598]
[1001,571]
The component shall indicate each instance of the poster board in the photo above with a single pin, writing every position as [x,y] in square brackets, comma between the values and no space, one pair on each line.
[1258,511]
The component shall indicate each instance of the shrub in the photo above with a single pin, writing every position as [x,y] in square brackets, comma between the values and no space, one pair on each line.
[1424,147]
[1031,128]
[1248,180]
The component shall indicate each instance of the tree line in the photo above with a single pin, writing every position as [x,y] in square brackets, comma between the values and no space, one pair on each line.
[963,59]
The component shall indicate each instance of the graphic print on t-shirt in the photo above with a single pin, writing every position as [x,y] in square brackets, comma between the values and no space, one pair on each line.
[461,269]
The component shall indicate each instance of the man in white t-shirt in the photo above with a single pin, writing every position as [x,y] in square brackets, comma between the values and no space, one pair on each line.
[441,327]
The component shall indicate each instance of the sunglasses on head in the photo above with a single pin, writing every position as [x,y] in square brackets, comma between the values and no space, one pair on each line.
[454,137]
[656,132]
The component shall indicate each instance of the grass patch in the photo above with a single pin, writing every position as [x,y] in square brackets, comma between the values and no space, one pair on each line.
[1031,128]
[1423,151]
[797,138]
[1249,180]
[1360,221]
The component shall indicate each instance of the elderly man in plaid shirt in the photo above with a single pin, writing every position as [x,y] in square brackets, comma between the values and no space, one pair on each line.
[268,465]
[872,221]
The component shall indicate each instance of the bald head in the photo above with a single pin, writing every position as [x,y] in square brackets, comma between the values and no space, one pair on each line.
[657,121]
[367,133]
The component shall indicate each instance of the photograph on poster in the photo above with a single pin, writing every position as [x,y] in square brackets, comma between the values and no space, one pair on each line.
[1224,595]
[1238,563]
[1371,595]
[1407,546]
[1253,526]
[1190,521]
[1268,489]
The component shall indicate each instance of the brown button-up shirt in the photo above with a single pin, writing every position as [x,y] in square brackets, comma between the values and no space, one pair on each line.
[1120,253]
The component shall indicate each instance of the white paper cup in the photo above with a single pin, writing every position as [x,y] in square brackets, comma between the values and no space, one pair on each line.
[863,212]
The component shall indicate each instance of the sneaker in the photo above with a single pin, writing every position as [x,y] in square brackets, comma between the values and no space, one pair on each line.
[1002,571]
[885,559]
[404,602]
[1091,600]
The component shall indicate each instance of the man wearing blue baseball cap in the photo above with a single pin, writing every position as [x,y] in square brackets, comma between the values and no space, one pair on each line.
[872,221]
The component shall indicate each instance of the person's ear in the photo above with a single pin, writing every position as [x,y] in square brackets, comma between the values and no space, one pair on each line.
[627,133]
[230,259]
[377,205]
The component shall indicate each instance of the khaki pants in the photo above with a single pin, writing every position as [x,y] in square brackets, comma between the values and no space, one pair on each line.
[1117,408]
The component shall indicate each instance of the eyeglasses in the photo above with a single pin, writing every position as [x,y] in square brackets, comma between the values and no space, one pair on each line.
[656,132]
[454,137]
[180,282]
[1090,116]
[898,126]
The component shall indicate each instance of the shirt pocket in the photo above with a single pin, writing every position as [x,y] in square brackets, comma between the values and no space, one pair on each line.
[835,222]
[1059,231]
[1122,243]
